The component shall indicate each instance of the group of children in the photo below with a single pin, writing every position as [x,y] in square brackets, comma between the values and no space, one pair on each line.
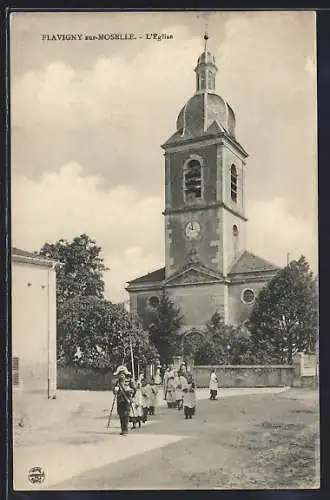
[144,401]
[180,391]
[137,400]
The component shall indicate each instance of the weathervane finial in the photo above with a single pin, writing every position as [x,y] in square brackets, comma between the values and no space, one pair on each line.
[206,37]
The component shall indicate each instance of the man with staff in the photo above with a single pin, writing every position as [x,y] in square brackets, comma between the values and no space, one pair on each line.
[124,390]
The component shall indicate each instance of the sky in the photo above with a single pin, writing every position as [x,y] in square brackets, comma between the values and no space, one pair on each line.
[88,119]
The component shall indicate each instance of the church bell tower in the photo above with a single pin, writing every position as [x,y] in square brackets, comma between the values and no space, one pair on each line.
[204,180]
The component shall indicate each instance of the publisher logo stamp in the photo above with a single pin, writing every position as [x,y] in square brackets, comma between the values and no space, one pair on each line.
[36,475]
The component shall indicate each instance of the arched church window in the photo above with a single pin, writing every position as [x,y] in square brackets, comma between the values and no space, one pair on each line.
[193,181]
[233,183]
[235,230]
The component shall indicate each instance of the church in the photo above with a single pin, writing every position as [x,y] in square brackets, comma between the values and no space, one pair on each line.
[207,266]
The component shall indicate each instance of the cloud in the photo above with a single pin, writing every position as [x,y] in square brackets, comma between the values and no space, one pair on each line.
[86,138]
[130,229]
[113,115]
[111,118]
[272,233]
[62,205]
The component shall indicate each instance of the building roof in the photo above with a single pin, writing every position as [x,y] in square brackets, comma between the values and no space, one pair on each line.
[24,255]
[154,276]
[201,111]
[250,263]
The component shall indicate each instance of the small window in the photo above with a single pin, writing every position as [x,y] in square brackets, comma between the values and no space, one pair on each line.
[211,78]
[248,296]
[153,302]
[16,374]
[193,180]
[202,80]
[233,183]
[235,230]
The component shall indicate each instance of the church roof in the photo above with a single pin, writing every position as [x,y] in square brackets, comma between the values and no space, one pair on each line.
[205,113]
[206,57]
[201,111]
[154,276]
[250,263]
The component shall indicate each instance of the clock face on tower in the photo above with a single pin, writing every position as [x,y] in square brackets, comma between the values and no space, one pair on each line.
[192,230]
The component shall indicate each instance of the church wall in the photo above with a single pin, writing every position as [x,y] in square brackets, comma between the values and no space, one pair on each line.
[229,158]
[174,180]
[238,311]
[178,246]
[198,302]
[234,245]
[139,301]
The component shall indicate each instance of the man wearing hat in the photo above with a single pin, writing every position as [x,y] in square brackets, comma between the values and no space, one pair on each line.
[124,390]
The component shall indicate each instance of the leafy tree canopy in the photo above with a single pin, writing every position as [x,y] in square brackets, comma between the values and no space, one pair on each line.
[223,344]
[81,272]
[163,323]
[284,319]
[96,333]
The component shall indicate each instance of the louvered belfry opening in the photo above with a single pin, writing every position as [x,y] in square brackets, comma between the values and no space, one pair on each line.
[193,180]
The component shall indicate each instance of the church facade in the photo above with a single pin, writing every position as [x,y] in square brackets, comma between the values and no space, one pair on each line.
[207,266]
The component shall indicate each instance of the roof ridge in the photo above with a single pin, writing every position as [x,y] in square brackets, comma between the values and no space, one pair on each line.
[265,260]
[144,276]
[249,262]
[237,259]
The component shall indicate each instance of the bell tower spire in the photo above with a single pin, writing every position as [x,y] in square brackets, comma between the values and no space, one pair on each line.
[206,69]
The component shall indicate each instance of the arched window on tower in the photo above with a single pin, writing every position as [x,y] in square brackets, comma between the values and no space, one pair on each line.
[193,181]
[233,183]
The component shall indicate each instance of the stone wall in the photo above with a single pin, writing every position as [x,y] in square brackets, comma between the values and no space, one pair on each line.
[72,378]
[246,376]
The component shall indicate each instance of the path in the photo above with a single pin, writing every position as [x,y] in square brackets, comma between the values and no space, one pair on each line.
[221,448]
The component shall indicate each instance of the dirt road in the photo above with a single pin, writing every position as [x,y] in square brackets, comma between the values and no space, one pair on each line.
[257,442]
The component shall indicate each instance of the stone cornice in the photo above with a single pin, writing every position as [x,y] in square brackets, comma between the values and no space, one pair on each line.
[196,208]
[194,284]
[144,287]
[244,278]
[206,140]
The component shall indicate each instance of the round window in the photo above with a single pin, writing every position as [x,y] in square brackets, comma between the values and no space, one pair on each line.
[235,230]
[153,301]
[248,296]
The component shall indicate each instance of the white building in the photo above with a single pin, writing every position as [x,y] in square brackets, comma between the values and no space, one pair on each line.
[33,323]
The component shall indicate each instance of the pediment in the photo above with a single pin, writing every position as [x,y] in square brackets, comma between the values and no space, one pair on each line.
[193,275]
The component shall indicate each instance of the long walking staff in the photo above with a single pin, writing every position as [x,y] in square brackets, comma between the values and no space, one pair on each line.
[111,411]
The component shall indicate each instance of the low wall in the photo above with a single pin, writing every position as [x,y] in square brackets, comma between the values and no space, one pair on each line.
[74,378]
[246,375]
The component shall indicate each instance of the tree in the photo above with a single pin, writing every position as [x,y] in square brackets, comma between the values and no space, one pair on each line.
[284,319]
[94,332]
[163,323]
[224,344]
[81,272]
